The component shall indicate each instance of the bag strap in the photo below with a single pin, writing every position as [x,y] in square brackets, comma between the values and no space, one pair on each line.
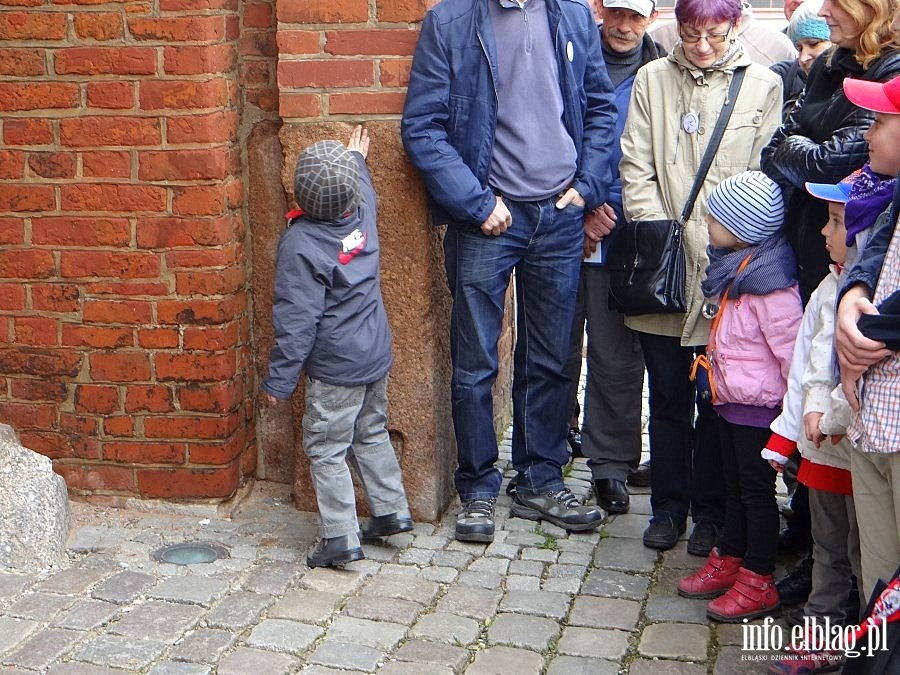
[714,140]
[714,326]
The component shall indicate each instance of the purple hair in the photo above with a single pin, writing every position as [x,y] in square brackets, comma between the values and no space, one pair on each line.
[701,12]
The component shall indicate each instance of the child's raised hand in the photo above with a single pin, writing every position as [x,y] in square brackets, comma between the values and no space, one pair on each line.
[359,140]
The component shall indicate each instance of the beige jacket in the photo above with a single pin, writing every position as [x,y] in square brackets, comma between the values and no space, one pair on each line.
[660,159]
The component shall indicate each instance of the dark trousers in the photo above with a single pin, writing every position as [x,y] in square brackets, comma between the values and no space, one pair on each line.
[751,512]
[687,463]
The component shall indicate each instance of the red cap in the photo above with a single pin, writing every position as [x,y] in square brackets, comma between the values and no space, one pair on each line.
[877,96]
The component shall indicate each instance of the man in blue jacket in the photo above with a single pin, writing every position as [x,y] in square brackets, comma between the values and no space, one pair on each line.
[509,117]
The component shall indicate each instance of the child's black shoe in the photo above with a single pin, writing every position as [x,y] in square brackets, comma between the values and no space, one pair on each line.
[335,551]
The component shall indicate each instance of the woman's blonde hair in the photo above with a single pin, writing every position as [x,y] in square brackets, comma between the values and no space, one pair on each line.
[873,20]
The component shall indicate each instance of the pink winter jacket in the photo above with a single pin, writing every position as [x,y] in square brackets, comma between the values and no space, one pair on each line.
[752,348]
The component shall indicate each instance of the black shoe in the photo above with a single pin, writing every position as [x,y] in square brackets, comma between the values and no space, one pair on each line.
[385,526]
[792,540]
[333,552]
[704,536]
[475,521]
[560,508]
[612,495]
[794,616]
[511,486]
[663,533]
[795,587]
[574,440]
[640,477]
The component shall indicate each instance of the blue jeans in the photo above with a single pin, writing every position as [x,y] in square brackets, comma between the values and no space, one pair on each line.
[543,245]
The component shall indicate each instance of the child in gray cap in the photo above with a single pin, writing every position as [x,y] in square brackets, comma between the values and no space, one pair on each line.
[329,321]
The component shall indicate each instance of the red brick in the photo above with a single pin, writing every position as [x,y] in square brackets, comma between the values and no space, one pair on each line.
[394,72]
[366,103]
[12,297]
[199,312]
[201,258]
[188,484]
[105,60]
[158,338]
[99,131]
[37,95]
[119,426]
[38,390]
[192,427]
[27,132]
[35,330]
[126,288]
[78,425]
[148,398]
[99,337]
[232,27]
[97,477]
[28,415]
[393,42]
[219,453]
[120,367]
[299,105]
[258,43]
[39,362]
[21,3]
[22,62]
[12,231]
[259,15]
[257,74]
[118,311]
[144,453]
[12,164]
[195,367]
[211,338]
[96,399]
[57,445]
[217,127]
[98,26]
[218,282]
[106,164]
[266,99]
[235,195]
[106,197]
[55,297]
[202,60]
[325,74]
[26,264]
[215,398]
[183,94]
[32,26]
[323,11]
[249,457]
[110,95]
[298,41]
[121,264]
[171,232]
[201,164]
[403,11]
[197,200]
[178,29]
[18,198]
[52,164]
[80,231]
[197,5]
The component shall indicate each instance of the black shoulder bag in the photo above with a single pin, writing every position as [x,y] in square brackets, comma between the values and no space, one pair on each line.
[646,259]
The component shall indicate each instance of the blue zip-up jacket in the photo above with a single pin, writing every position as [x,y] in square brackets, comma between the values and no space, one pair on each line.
[451,105]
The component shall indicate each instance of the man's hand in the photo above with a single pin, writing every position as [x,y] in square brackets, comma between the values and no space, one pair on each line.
[570,196]
[855,351]
[359,141]
[811,426]
[499,221]
[599,222]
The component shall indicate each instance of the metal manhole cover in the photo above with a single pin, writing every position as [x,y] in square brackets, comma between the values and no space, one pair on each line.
[192,553]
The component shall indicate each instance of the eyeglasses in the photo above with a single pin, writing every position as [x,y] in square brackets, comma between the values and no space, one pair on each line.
[711,38]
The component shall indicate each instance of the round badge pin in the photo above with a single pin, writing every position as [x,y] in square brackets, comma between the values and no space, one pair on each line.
[570,51]
[690,122]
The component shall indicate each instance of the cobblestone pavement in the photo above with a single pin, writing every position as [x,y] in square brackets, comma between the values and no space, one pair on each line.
[536,600]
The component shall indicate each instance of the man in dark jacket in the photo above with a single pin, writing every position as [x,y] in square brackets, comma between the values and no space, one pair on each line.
[509,117]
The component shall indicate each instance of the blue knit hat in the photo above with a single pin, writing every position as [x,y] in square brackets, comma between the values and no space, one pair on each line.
[749,205]
[806,24]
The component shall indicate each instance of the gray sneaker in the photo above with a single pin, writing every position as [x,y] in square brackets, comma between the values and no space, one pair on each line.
[560,508]
[475,521]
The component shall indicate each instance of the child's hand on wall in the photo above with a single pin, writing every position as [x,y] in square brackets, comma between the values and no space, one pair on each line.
[359,141]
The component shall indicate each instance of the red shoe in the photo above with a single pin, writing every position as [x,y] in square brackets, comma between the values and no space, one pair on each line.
[807,664]
[713,579]
[752,595]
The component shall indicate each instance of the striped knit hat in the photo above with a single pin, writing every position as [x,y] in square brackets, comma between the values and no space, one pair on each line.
[749,205]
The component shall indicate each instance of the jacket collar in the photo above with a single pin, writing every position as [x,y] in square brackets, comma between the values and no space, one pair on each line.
[739,59]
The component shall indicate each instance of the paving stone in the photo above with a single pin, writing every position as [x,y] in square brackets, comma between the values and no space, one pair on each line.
[203,645]
[449,656]
[526,536]
[322,670]
[443,575]
[450,628]
[542,554]
[494,660]
[659,667]
[526,632]
[534,568]
[458,559]
[597,612]
[176,668]
[613,584]
[417,556]
[71,581]
[238,609]
[309,606]
[582,560]
[676,608]
[490,580]
[330,580]
[78,668]
[502,550]
[94,538]
[12,631]
[476,603]
[627,526]
[378,608]
[117,651]
[397,570]
[42,648]
[346,656]
[87,614]
[123,587]
[430,541]
[243,661]
[575,665]
[402,668]
[378,635]
[517,583]
[39,606]
[567,586]
[735,661]
[156,620]
[283,635]
[192,590]
[538,603]
[271,578]
[733,633]
[679,559]
[12,585]
[675,641]
[625,555]
[593,643]
[420,591]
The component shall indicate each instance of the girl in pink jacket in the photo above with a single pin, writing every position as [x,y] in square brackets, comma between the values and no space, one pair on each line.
[751,290]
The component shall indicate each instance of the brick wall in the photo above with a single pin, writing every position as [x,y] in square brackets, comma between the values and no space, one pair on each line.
[125,333]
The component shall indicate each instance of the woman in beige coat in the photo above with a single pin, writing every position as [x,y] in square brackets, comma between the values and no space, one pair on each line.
[674,106]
